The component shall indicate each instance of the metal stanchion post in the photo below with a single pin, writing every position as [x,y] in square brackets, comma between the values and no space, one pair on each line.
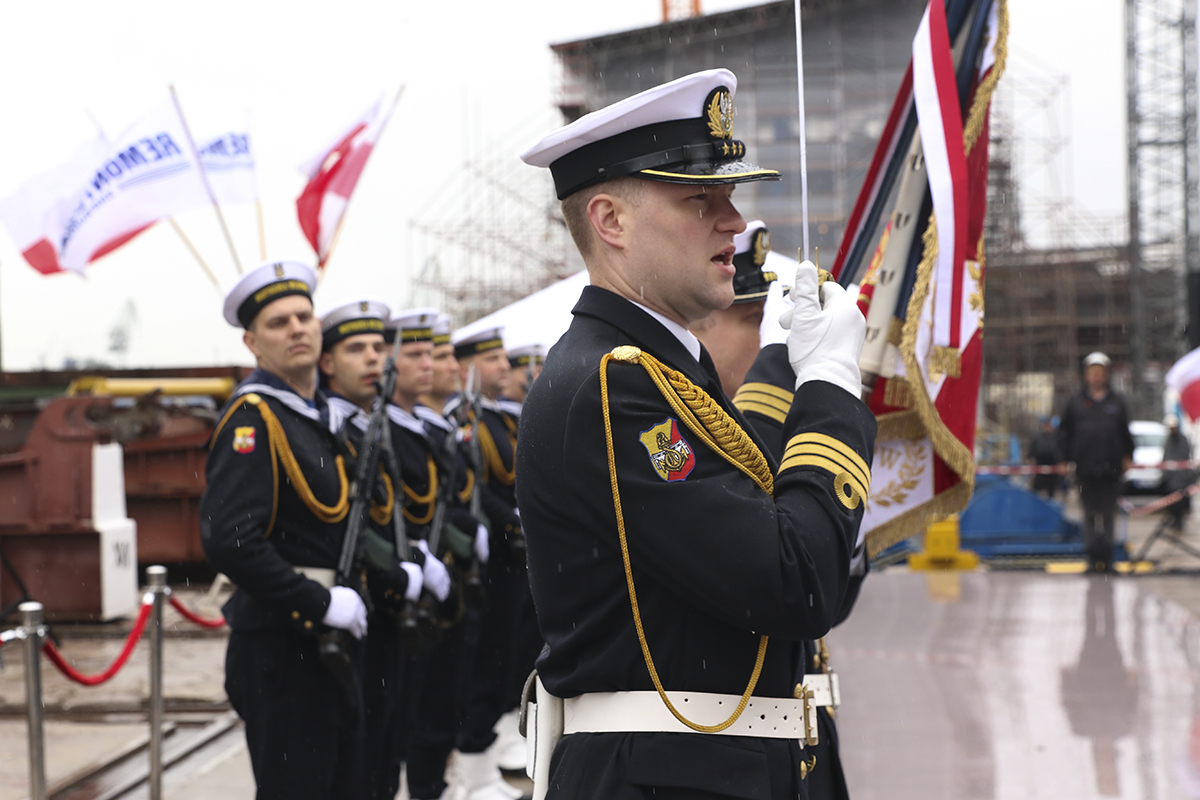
[157,578]
[33,632]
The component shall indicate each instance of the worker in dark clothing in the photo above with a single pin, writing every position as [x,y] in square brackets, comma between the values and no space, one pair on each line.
[1094,435]
[1177,448]
[1044,451]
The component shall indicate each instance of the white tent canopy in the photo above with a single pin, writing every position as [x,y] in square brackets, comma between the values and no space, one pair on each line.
[544,316]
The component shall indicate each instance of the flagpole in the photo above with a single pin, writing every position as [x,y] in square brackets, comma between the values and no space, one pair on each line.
[803,137]
[322,263]
[262,231]
[195,253]
[237,262]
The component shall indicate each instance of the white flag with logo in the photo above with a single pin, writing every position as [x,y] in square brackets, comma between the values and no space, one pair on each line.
[113,189]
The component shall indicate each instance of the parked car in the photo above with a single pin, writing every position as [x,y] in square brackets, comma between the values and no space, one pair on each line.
[1148,440]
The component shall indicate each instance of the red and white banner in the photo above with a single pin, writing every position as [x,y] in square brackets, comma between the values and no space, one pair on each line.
[332,174]
[110,190]
[1184,378]
[935,93]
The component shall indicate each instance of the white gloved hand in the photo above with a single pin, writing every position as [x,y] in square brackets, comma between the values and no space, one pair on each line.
[416,580]
[437,577]
[825,337]
[346,611]
[482,545]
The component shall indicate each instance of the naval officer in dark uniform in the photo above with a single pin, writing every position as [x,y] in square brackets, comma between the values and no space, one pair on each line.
[272,519]
[667,552]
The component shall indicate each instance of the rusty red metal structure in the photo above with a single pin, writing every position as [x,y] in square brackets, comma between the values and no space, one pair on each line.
[50,498]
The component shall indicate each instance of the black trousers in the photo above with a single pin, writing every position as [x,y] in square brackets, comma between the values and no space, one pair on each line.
[383,679]
[492,689]
[1098,496]
[434,688]
[304,731]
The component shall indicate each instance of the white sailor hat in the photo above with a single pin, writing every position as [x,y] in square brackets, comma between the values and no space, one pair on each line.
[527,354]
[750,281]
[265,284]
[414,325]
[351,319]
[441,329]
[679,132]
[478,342]
[1097,358]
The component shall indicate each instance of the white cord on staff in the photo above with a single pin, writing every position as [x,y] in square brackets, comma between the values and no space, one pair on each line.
[803,138]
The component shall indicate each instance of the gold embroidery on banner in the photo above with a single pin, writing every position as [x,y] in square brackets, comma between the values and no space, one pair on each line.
[897,394]
[896,491]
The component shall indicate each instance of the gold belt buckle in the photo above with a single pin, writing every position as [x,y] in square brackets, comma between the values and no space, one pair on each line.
[805,695]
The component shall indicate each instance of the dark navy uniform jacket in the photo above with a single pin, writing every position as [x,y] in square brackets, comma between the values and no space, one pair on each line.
[765,397]
[716,561]
[255,525]
[497,490]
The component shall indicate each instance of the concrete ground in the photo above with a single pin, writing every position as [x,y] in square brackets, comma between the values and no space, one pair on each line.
[990,684]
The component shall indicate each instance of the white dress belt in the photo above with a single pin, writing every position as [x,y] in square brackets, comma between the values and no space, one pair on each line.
[645,712]
[322,575]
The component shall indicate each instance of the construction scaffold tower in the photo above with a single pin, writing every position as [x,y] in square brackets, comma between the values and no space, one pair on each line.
[1160,85]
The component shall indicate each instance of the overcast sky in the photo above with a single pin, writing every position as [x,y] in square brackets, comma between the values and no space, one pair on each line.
[306,70]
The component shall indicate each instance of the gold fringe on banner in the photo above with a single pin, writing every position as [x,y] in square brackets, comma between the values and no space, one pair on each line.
[896,394]
[945,445]
[902,426]
[944,361]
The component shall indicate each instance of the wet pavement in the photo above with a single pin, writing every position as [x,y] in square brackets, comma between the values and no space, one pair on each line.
[991,684]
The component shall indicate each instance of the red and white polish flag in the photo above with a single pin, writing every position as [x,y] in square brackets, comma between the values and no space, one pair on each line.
[332,175]
[110,190]
[1184,378]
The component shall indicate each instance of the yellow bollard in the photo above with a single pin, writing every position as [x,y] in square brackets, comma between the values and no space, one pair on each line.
[941,549]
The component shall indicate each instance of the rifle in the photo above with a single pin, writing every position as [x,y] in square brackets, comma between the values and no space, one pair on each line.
[472,582]
[333,645]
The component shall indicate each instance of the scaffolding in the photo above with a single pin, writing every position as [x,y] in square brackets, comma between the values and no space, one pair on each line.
[1160,85]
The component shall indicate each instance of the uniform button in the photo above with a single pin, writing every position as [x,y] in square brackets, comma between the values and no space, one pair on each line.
[295,615]
[308,624]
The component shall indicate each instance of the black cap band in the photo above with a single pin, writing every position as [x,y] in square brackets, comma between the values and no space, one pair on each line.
[351,327]
[268,294]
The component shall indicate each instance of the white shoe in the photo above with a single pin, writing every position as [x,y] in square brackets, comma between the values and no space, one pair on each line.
[481,778]
[509,746]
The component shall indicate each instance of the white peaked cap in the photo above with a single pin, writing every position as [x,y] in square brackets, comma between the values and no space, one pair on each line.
[265,284]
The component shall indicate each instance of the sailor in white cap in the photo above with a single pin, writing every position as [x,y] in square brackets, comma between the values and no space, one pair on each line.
[351,365]
[731,335]
[508,638]
[446,381]
[667,552]
[526,364]
[272,519]
[1094,436]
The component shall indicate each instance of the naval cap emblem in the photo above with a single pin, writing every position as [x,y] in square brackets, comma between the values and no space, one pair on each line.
[719,108]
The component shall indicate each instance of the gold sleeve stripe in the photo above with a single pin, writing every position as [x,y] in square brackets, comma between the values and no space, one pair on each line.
[838,446]
[766,388]
[821,451]
[771,412]
[832,467]
[765,399]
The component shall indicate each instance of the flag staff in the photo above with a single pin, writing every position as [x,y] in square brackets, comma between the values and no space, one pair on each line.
[803,137]
[262,231]
[322,263]
[195,253]
[237,262]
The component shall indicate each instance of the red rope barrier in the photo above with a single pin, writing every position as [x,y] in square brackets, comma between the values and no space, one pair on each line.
[59,661]
[192,616]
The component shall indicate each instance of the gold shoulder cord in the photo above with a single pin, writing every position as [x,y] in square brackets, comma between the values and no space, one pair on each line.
[491,456]
[383,514]
[282,450]
[423,499]
[724,436]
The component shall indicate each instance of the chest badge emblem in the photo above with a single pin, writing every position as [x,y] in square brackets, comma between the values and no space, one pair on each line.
[670,455]
[243,440]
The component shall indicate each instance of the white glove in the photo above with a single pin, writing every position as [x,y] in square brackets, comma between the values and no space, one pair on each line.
[825,337]
[437,578]
[346,611]
[482,545]
[416,580]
